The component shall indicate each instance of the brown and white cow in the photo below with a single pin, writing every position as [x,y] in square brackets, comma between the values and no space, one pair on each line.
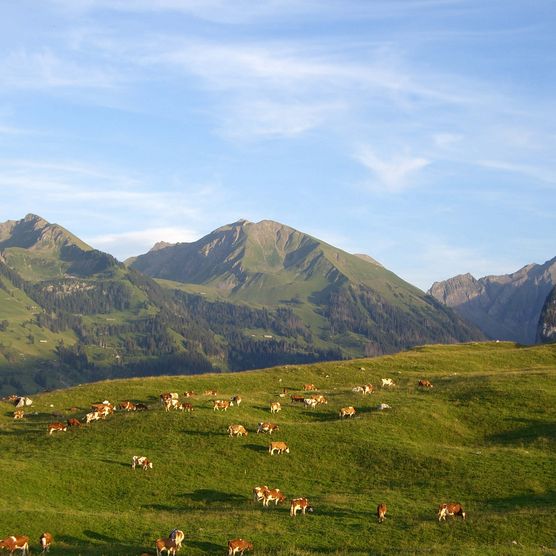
[273,495]
[210,393]
[218,405]
[368,389]
[310,402]
[166,544]
[278,447]
[259,492]
[238,546]
[168,396]
[127,406]
[320,399]
[57,426]
[104,408]
[387,382]
[235,400]
[93,416]
[185,406]
[298,504]
[171,403]
[381,510]
[19,414]
[237,430]
[73,422]
[425,384]
[275,407]
[13,543]
[188,394]
[452,509]
[267,427]
[45,541]
[347,411]
[297,399]
[309,387]
[141,461]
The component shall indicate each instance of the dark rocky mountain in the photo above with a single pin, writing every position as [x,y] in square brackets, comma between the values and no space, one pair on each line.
[546,331]
[505,307]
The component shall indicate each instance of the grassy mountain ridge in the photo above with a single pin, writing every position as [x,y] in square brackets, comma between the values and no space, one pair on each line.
[347,300]
[483,436]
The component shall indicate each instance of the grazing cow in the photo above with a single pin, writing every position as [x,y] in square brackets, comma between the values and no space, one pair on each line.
[237,430]
[357,389]
[73,422]
[209,393]
[177,536]
[220,405]
[267,427]
[273,495]
[188,394]
[381,510]
[165,544]
[103,407]
[275,407]
[22,402]
[300,504]
[235,400]
[13,543]
[347,412]
[452,509]
[238,546]
[57,426]
[185,406]
[387,382]
[127,406]
[368,389]
[278,447]
[93,416]
[45,541]
[320,399]
[298,399]
[165,396]
[171,403]
[141,407]
[19,414]
[141,461]
[259,492]
[308,387]
[383,406]
[310,402]
[425,384]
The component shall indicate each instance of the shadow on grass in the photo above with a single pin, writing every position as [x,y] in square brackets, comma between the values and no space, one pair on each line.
[112,462]
[160,507]
[209,496]
[544,500]
[206,547]
[525,431]
[78,546]
[256,447]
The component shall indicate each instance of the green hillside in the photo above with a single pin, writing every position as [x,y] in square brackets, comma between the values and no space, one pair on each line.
[347,302]
[483,436]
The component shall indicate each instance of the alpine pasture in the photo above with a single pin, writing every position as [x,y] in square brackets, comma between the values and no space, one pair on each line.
[484,435]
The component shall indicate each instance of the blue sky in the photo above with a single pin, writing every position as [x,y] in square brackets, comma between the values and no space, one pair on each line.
[420,132]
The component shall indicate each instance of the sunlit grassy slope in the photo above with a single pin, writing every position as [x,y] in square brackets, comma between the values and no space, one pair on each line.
[485,436]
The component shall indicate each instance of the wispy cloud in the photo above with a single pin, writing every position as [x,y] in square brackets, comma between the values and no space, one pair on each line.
[540,173]
[126,244]
[392,175]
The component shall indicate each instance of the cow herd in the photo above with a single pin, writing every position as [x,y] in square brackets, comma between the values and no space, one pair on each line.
[170,401]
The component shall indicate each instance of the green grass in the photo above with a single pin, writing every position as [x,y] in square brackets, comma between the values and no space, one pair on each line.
[485,436]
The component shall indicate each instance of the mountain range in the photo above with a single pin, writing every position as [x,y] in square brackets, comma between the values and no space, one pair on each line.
[505,307]
[247,295]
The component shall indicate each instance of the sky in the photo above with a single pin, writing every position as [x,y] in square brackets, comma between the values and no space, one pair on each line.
[419,132]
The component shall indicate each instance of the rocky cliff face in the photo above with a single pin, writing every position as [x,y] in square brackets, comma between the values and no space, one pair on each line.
[547,323]
[505,307]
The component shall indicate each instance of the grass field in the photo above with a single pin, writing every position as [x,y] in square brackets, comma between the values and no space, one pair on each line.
[485,436]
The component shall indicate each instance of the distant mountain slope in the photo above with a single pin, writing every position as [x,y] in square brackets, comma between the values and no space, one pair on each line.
[505,307]
[547,322]
[347,300]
